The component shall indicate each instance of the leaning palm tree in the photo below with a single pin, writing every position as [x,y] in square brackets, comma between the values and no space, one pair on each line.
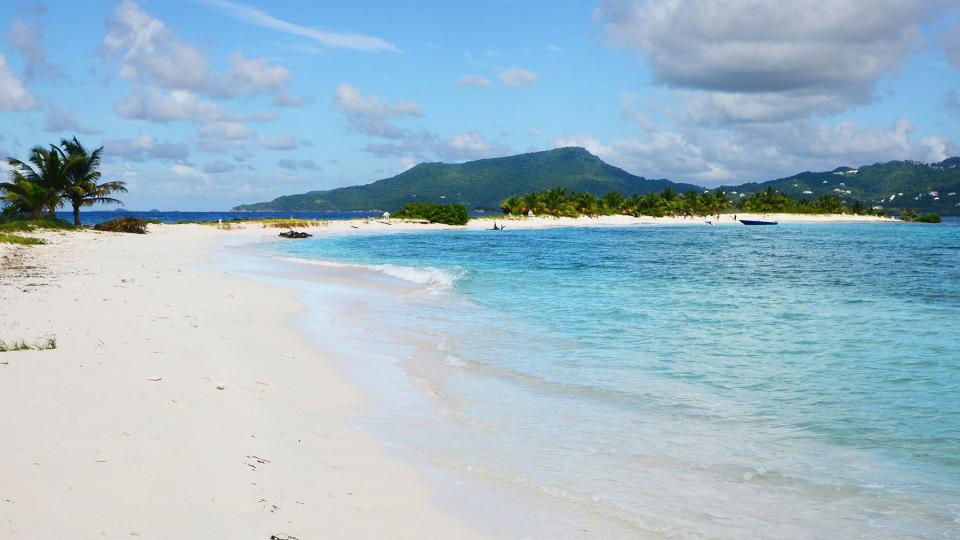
[82,187]
[47,170]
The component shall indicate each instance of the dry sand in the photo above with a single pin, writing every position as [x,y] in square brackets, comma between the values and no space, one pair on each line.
[123,431]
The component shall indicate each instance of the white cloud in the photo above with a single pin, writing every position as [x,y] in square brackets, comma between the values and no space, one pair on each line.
[352,101]
[293,164]
[61,120]
[13,95]
[760,61]
[218,167]
[234,131]
[516,76]
[369,114]
[153,56]
[27,39]
[473,80]
[280,142]
[344,40]
[762,152]
[939,148]
[144,147]
[182,169]
[951,44]
[424,145]
[160,106]
[151,51]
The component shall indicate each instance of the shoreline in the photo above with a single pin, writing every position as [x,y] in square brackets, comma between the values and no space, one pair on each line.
[181,402]
[128,309]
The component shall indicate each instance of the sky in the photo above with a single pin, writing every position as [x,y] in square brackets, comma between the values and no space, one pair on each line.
[207,104]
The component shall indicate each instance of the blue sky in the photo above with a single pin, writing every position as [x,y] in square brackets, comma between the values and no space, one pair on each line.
[205,104]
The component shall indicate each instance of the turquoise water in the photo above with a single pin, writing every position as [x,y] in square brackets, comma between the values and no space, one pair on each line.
[792,381]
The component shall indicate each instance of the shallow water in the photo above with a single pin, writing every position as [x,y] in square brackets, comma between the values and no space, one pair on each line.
[792,381]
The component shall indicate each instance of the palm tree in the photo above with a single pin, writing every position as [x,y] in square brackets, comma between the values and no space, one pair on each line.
[25,196]
[82,188]
[48,176]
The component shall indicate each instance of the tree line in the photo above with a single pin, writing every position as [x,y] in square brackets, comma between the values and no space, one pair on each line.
[55,176]
[558,202]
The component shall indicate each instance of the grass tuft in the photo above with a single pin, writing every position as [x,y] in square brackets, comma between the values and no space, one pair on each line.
[21,345]
[6,238]
[32,225]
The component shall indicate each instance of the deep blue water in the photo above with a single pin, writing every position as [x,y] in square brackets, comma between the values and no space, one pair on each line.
[792,381]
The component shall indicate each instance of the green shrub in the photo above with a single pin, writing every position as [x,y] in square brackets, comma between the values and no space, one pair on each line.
[123,225]
[449,214]
[929,218]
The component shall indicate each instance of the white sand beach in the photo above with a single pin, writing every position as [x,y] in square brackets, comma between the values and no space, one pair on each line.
[180,403]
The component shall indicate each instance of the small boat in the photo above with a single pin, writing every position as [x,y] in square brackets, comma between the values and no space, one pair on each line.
[757,222]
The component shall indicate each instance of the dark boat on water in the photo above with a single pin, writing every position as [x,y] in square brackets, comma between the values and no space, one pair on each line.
[757,222]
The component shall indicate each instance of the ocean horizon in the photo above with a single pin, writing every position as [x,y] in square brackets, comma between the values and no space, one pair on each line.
[797,381]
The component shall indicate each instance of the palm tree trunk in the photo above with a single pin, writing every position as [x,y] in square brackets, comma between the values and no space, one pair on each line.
[76,215]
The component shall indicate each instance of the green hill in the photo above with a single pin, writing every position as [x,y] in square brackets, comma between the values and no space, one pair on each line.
[894,185]
[485,183]
[477,184]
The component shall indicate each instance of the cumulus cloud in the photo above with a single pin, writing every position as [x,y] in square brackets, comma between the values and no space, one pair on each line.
[26,37]
[13,95]
[762,152]
[473,80]
[151,51]
[344,40]
[516,76]
[61,120]
[424,145]
[280,142]
[951,43]
[369,114]
[293,164]
[352,101]
[760,61]
[153,57]
[234,131]
[166,106]
[145,147]
[219,167]
[951,102]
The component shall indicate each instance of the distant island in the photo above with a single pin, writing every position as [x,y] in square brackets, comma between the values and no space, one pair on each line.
[484,184]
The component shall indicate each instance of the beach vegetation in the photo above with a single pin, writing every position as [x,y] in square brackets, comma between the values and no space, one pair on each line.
[123,225]
[928,218]
[558,202]
[33,225]
[908,215]
[83,179]
[448,214]
[7,238]
[54,176]
[47,344]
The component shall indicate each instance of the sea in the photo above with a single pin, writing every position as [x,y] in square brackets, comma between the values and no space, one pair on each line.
[790,381]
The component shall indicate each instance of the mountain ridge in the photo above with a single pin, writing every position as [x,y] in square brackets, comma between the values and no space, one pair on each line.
[484,183]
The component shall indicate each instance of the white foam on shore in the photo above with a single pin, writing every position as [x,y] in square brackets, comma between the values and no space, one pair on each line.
[435,279]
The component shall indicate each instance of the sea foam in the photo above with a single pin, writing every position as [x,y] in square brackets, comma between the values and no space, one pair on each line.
[435,279]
